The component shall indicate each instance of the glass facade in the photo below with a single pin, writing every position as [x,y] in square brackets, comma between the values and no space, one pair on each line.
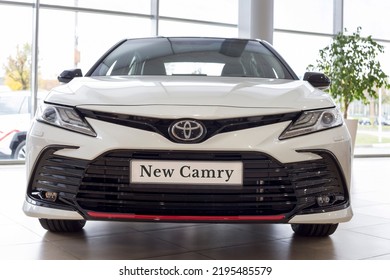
[202,10]
[374,20]
[180,28]
[81,38]
[15,93]
[299,50]
[304,15]
[75,33]
[128,6]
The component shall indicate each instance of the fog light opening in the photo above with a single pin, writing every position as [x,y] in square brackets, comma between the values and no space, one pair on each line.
[51,196]
[323,200]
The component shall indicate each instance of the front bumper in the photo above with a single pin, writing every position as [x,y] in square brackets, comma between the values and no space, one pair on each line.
[282,179]
[31,209]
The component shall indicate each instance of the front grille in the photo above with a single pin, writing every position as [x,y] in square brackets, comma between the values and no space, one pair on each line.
[106,188]
[269,187]
[213,127]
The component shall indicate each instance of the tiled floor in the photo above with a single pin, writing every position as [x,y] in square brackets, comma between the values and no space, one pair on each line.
[367,236]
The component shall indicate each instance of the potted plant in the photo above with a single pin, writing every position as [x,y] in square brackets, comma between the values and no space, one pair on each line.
[351,62]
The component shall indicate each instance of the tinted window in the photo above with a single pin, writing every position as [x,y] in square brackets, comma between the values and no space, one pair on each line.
[192,56]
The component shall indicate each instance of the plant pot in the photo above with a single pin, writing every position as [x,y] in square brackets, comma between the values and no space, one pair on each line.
[352,126]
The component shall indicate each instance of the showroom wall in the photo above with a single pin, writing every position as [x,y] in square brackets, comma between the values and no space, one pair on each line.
[75,33]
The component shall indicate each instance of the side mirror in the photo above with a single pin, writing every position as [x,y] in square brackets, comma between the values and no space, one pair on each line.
[317,80]
[68,75]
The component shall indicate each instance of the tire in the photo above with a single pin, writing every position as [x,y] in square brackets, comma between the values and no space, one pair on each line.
[62,225]
[20,151]
[317,230]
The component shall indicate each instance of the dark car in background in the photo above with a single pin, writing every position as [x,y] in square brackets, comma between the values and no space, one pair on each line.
[14,123]
[364,121]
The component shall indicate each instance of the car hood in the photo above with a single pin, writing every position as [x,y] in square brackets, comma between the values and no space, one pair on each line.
[286,95]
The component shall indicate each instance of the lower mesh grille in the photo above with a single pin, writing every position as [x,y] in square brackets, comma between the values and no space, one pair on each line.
[106,188]
[269,187]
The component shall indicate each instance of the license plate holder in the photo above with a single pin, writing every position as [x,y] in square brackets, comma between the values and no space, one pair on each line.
[224,173]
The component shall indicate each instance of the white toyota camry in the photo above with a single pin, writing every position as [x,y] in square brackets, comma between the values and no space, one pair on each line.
[189,130]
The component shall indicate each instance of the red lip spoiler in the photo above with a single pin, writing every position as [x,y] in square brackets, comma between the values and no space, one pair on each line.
[102,215]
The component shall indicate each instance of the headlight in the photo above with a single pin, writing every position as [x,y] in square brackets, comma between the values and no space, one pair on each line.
[313,121]
[64,117]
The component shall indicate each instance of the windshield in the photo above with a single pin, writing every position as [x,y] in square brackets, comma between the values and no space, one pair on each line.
[192,56]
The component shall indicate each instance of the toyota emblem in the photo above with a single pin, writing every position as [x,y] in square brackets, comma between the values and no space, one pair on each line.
[187,131]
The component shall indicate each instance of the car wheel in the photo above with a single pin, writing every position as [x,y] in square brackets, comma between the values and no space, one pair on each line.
[62,225]
[314,229]
[20,151]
